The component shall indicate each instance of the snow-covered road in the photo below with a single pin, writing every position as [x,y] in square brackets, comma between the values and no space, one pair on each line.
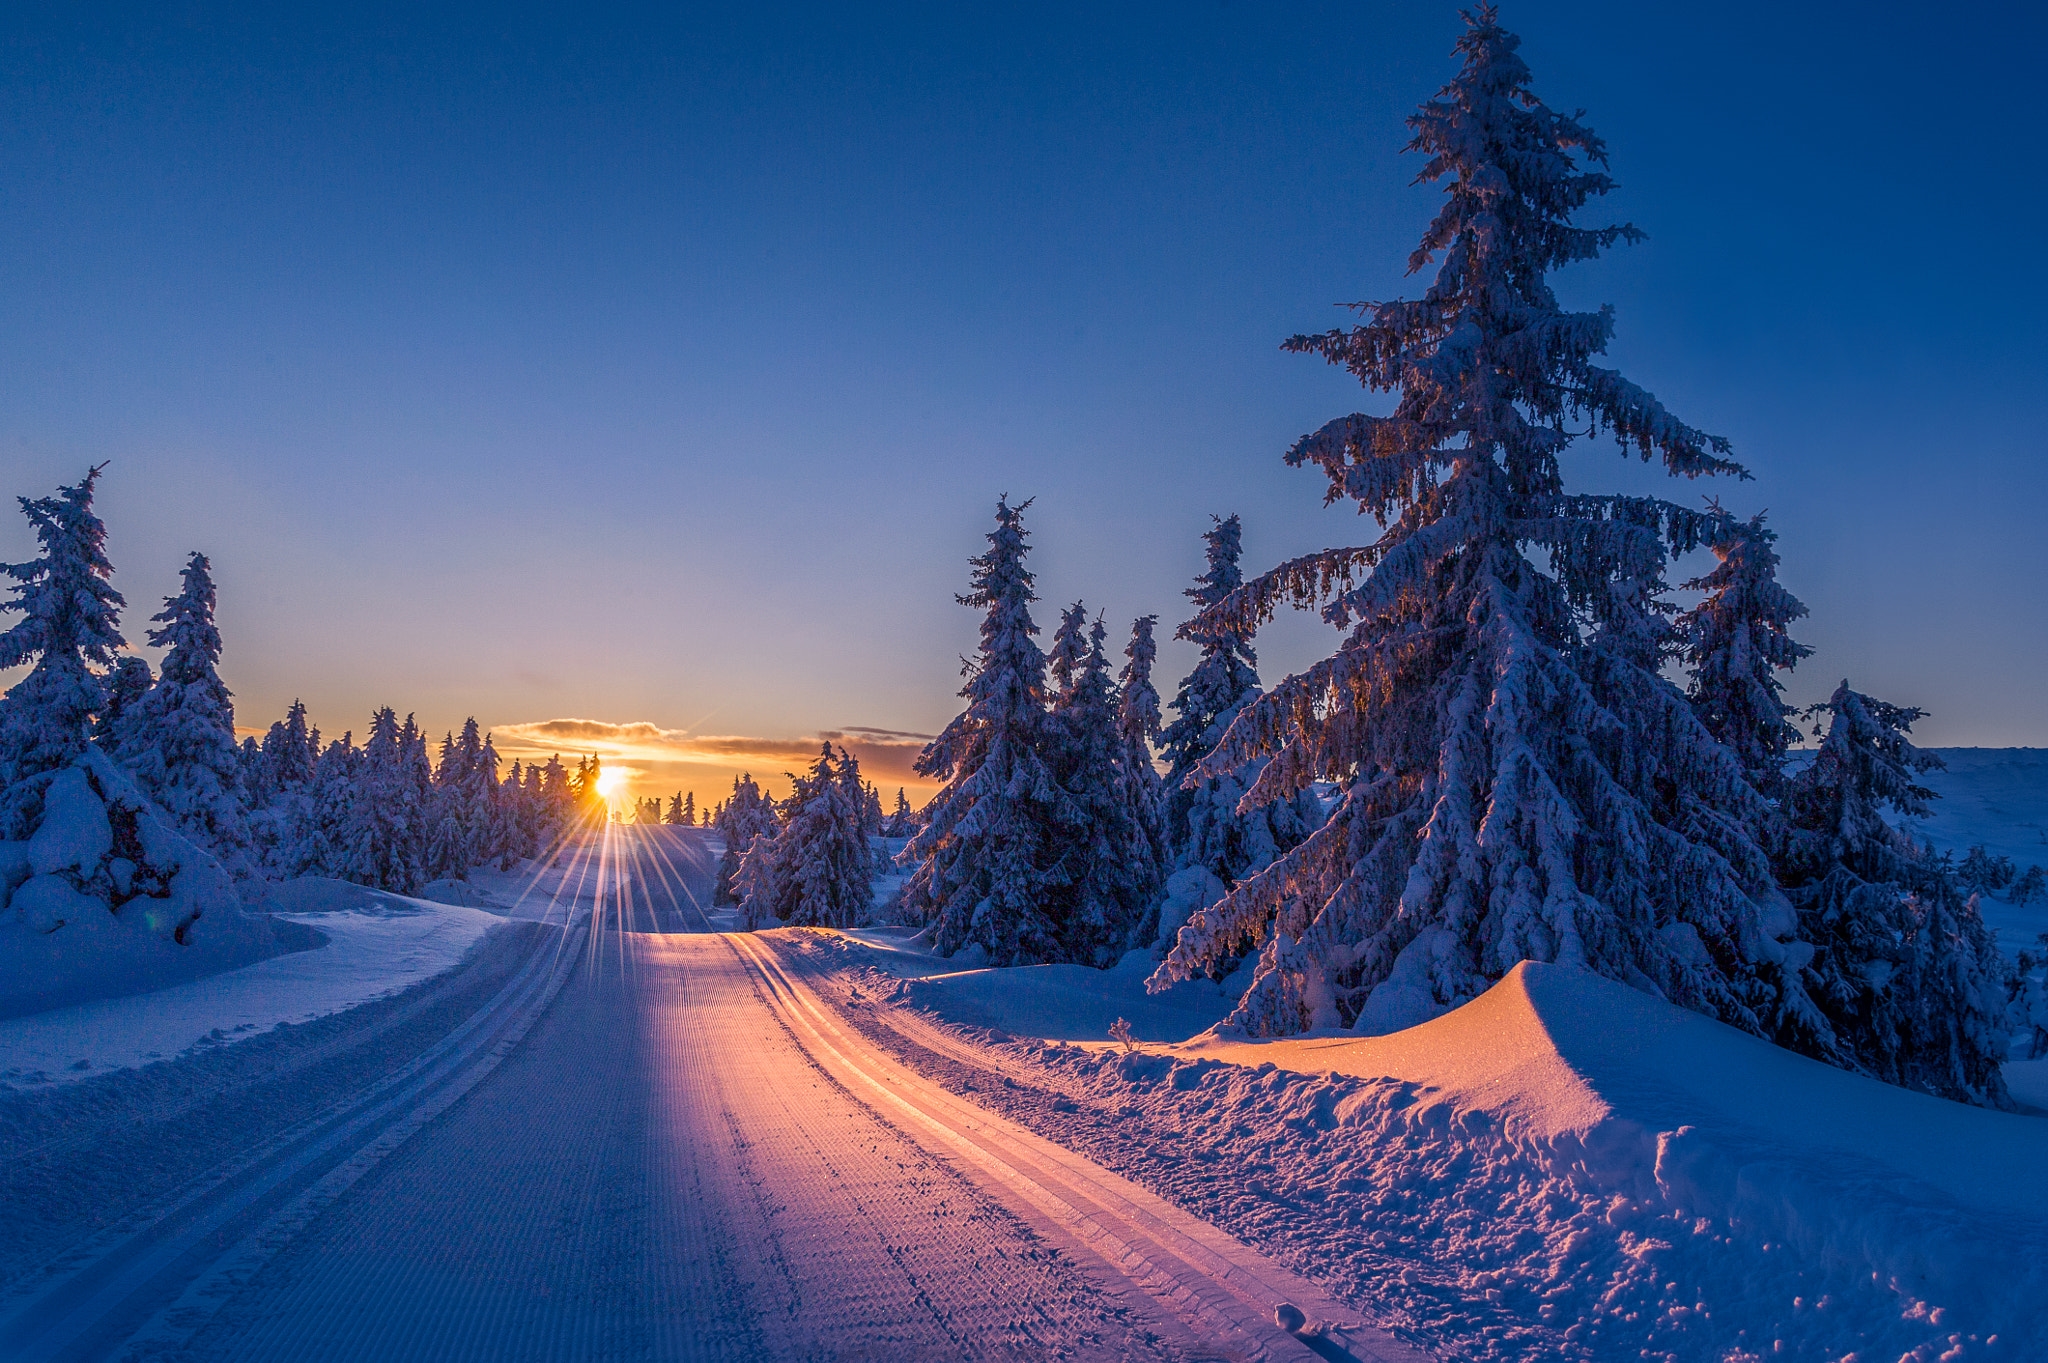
[656,1142]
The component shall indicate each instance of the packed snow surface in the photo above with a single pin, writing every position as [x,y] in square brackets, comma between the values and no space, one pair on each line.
[375,945]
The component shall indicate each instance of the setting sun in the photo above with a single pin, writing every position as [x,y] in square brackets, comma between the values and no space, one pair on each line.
[610,781]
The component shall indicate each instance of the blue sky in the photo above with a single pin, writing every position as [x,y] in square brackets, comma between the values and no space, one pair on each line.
[645,369]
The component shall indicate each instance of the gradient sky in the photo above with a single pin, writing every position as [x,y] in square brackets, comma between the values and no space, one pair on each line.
[637,369]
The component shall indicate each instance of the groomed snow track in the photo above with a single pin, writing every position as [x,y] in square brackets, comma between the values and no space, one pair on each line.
[131,1289]
[683,1152]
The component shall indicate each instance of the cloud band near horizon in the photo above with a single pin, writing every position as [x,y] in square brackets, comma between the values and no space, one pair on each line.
[885,755]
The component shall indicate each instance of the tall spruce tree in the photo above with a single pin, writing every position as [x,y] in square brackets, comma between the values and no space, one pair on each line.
[1518,781]
[1212,841]
[1903,969]
[982,869]
[179,740]
[70,624]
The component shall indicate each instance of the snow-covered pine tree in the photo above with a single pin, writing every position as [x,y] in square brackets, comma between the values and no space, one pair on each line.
[70,624]
[380,841]
[278,784]
[1106,877]
[1517,779]
[315,843]
[96,878]
[1736,642]
[1069,652]
[871,816]
[476,795]
[1982,872]
[447,848]
[2030,887]
[1212,842]
[746,814]
[1903,969]
[902,819]
[290,748]
[420,808]
[1138,725]
[179,739]
[675,809]
[126,685]
[816,871]
[981,863]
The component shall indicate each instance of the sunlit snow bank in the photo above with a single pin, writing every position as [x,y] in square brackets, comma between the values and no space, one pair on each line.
[1632,1175]
[376,944]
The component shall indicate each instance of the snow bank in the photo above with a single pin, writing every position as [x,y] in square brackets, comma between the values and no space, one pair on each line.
[372,944]
[1562,1168]
[105,899]
[1059,1002]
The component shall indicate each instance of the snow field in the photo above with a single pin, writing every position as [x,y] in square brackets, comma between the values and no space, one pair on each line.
[1564,1168]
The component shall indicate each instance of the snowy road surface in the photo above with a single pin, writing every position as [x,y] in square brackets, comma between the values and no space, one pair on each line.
[655,1142]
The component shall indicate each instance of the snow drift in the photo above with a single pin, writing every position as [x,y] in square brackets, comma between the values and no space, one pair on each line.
[1669,1182]
[104,899]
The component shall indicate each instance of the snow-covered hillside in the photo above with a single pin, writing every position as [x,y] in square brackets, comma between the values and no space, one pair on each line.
[1997,799]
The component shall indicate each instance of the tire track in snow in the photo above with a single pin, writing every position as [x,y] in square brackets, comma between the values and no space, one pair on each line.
[1227,1288]
[661,1172]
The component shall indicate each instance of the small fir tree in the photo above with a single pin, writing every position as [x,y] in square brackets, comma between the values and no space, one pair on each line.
[1138,726]
[1212,840]
[180,740]
[816,870]
[1736,642]
[745,815]
[1104,878]
[1904,973]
